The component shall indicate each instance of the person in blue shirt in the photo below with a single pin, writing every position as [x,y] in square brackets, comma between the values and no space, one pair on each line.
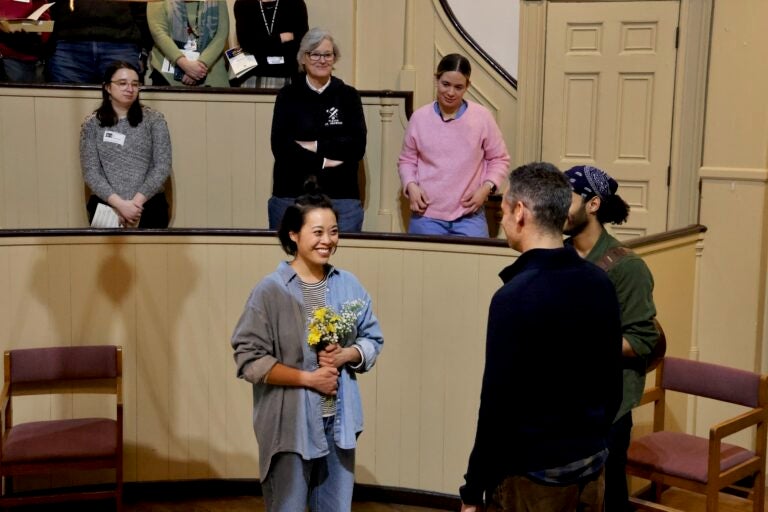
[307,407]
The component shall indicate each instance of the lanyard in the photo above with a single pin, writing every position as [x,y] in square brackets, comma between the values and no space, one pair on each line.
[269,28]
[194,31]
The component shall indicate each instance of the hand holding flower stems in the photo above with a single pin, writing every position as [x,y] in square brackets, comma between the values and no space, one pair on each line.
[336,356]
[327,332]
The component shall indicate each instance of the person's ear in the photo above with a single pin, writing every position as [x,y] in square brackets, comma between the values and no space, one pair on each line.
[519,212]
[593,205]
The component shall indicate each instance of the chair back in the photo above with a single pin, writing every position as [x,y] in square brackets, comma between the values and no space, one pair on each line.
[80,369]
[713,381]
[61,445]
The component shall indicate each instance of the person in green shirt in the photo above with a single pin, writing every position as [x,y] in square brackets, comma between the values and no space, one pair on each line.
[594,204]
[190,37]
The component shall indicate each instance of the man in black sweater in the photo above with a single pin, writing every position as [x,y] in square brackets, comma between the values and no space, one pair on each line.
[553,381]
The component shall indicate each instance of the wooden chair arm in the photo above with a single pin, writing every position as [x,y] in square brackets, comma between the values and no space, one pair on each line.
[651,395]
[740,422]
[4,398]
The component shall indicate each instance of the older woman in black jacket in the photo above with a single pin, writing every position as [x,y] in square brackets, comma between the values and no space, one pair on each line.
[319,133]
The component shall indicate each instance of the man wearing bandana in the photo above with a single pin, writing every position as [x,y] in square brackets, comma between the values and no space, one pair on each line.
[594,203]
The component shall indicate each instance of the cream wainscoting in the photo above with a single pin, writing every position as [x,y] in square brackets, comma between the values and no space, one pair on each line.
[172,301]
[222,160]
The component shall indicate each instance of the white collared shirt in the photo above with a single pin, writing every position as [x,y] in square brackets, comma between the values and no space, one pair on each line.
[321,89]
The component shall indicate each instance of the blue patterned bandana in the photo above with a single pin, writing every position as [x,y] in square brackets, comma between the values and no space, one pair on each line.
[588,181]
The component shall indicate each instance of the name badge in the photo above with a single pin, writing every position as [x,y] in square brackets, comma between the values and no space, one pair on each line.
[190,54]
[22,1]
[276,60]
[114,137]
[191,45]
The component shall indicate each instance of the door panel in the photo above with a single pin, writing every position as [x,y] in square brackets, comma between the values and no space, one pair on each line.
[608,96]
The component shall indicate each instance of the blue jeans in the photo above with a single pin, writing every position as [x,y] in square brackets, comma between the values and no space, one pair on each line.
[84,62]
[474,224]
[325,484]
[14,70]
[349,213]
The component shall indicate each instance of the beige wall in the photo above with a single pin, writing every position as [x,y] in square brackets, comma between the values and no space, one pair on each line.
[172,303]
[733,176]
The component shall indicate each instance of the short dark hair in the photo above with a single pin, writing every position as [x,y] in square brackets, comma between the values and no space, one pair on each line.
[613,209]
[544,190]
[454,62]
[105,113]
[296,214]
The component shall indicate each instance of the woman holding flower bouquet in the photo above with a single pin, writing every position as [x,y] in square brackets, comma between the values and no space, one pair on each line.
[307,329]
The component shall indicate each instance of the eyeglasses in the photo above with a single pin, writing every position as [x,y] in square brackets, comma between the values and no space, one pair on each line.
[124,84]
[315,57]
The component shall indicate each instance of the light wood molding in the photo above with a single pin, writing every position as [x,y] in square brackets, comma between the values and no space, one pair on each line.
[530,82]
[733,174]
[689,114]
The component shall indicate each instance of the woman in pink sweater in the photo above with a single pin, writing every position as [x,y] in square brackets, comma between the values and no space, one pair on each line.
[453,158]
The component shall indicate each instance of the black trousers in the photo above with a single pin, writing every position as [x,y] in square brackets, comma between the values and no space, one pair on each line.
[616,491]
[154,216]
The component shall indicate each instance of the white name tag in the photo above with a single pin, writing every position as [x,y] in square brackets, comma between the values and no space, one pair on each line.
[114,137]
[276,60]
[191,54]
[23,1]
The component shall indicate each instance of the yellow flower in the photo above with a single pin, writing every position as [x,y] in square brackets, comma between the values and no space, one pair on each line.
[328,326]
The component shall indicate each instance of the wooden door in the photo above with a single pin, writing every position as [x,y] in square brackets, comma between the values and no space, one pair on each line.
[608,97]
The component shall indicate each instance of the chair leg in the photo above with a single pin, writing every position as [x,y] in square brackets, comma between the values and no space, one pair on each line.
[713,500]
[119,489]
[758,492]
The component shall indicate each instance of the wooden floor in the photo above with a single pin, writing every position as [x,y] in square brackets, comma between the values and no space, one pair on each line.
[676,499]
[252,505]
[245,504]
[689,502]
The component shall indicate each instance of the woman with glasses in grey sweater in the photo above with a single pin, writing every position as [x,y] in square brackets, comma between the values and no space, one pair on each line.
[125,153]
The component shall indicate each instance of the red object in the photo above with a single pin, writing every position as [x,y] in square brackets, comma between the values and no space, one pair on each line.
[22,46]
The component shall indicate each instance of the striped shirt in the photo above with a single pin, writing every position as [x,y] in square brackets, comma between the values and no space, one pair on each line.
[314,299]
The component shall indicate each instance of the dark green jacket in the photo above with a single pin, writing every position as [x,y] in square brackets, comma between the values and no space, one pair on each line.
[634,288]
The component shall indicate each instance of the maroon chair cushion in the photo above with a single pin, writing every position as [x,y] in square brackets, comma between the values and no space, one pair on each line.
[56,363]
[682,455]
[60,440]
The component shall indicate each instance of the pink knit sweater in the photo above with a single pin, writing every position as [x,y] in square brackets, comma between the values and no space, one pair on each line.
[450,160]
